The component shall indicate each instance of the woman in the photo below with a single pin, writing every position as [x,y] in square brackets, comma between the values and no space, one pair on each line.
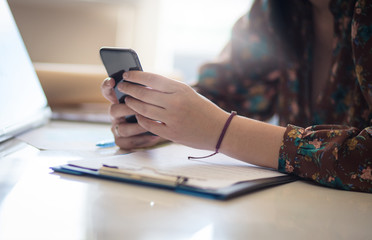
[309,62]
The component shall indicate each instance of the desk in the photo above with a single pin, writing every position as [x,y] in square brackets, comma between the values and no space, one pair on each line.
[36,203]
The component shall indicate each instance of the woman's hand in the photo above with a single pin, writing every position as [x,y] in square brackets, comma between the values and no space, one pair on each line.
[174,111]
[171,109]
[127,135]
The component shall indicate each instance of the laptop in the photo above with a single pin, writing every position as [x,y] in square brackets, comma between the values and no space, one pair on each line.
[23,104]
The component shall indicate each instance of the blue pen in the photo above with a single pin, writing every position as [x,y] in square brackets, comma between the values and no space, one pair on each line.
[106,143]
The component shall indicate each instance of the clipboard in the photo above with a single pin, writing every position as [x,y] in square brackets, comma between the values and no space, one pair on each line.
[167,168]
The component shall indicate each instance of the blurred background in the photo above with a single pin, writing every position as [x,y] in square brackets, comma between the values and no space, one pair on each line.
[171,37]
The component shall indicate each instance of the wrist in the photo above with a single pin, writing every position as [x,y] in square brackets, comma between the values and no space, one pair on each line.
[253,141]
[216,129]
[221,136]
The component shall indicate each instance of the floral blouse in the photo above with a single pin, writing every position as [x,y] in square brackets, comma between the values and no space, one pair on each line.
[329,140]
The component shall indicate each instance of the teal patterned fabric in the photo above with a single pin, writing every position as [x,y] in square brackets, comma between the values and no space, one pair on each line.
[327,140]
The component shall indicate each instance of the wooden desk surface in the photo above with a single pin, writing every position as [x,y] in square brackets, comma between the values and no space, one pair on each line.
[36,203]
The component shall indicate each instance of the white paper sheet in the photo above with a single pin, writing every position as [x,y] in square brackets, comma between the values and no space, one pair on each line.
[215,172]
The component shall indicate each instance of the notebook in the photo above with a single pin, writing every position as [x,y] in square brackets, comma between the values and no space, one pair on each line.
[23,104]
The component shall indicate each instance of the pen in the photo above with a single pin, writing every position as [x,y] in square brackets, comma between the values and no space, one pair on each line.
[105,143]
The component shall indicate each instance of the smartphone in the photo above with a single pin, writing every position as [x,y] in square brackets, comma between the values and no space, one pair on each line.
[117,61]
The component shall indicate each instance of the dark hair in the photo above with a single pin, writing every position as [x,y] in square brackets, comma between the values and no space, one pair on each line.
[288,18]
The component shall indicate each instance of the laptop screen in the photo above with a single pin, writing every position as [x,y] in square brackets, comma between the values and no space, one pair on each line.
[23,104]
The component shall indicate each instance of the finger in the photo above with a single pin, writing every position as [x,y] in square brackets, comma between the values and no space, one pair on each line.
[145,109]
[156,127]
[151,80]
[120,110]
[127,130]
[139,141]
[144,94]
[107,90]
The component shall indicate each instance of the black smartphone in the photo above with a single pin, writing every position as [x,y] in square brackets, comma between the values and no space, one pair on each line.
[117,61]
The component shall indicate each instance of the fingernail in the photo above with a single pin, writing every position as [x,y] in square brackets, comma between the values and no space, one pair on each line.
[107,81]
[125,75]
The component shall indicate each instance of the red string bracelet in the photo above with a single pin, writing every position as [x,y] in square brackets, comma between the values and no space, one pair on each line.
[227,124]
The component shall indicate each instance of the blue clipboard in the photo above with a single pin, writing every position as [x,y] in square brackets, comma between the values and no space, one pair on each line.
[177,185]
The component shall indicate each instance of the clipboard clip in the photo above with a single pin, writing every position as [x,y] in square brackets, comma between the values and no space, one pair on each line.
[147,175]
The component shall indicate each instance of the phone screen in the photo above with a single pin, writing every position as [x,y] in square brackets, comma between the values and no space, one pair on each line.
[117,61]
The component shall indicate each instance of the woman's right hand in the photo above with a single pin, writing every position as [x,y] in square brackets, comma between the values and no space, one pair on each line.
[127,135]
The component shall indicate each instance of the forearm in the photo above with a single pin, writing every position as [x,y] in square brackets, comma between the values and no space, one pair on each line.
[253,141]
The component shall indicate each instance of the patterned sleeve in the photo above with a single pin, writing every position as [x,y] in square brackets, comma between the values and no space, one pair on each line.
[337,156]
[246,79]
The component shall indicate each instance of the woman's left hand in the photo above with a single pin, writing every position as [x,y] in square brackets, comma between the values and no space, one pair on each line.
[173,110]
